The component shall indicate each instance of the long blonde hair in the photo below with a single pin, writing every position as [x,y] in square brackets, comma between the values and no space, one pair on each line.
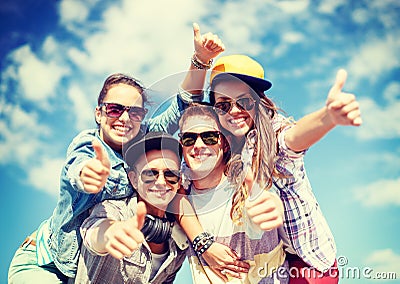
[264,156]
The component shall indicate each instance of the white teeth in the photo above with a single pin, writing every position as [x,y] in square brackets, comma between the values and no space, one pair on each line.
[122,128]
[159,192]
[237,120]
[201,157]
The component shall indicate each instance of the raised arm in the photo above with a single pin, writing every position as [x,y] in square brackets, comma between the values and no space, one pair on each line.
[206,48]
[340,109]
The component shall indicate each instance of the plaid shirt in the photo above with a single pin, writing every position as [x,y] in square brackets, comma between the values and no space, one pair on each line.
[305,226]
[137,268]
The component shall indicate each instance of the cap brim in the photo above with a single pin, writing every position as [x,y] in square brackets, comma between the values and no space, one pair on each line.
[136,150]
[254,82]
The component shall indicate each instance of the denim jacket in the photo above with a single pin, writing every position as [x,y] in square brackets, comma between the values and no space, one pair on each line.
[61,233]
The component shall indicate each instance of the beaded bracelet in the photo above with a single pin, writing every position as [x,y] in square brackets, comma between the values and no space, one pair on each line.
[200,65]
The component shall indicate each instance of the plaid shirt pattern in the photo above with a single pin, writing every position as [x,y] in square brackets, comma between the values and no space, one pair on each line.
[304,224]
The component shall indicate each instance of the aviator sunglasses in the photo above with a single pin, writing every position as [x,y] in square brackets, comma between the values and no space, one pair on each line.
[208,137]
[242,104]
[116,110]
[151,175]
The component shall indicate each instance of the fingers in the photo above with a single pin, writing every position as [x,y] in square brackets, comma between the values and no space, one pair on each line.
[206,46]
[265,211]
[141,214]
[220,275]
[122,246]
[196,32]
[345,110]
[213,43]
[101,154]
[238,266]
[341,77]
[123,238]
[95,172]
[259,198]
[343,107]
[226,271]
[94,176]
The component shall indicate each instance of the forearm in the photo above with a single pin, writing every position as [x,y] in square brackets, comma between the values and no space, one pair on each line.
[309,130]
[187,218]
[194,80]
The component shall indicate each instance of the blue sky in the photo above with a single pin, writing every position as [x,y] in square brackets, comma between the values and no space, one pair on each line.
[55,55]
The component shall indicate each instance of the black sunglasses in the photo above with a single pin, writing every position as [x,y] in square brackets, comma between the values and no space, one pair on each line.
[242,104]
[116,110]
[208,137]
[151,175]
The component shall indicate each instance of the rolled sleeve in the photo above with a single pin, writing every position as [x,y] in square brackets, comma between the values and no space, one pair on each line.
[188,97]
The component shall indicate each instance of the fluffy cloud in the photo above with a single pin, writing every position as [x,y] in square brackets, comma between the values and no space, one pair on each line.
[37,78]
[137,39]
[385,260]
[20,132]
[83,109]
[379,122]
[45,176]
[379,193]
[375,58]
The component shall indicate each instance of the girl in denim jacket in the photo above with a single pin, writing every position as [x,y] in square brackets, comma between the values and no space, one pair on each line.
[94,171]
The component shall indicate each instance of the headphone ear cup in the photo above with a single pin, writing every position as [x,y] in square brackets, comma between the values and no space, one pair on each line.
[156,230]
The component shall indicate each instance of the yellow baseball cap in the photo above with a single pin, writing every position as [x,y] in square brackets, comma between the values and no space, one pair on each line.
[242,67]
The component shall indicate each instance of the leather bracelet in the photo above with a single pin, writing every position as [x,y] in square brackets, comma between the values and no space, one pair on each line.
[200,237]
[206,246]
[202,242]
[201,65]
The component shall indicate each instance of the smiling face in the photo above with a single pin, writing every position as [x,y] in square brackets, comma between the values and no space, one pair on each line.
[203,160]
[156,190]
[237,121]
[117,131]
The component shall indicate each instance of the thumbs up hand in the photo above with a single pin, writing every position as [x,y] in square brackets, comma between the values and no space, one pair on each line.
[265,209]
[343,108]
[206,46]
[95,172]
[122,238]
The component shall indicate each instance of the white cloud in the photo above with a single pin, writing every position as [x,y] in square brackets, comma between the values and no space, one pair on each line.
[375,58]
[288,38]
[137,39]
[20,133]
[379,122]
[72,11]
[45,176]
[392,92]
[385,260]
[293,7]
[380,193]
[292,37]
[83,109]
[37,79]
[329,6]
[360,16]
